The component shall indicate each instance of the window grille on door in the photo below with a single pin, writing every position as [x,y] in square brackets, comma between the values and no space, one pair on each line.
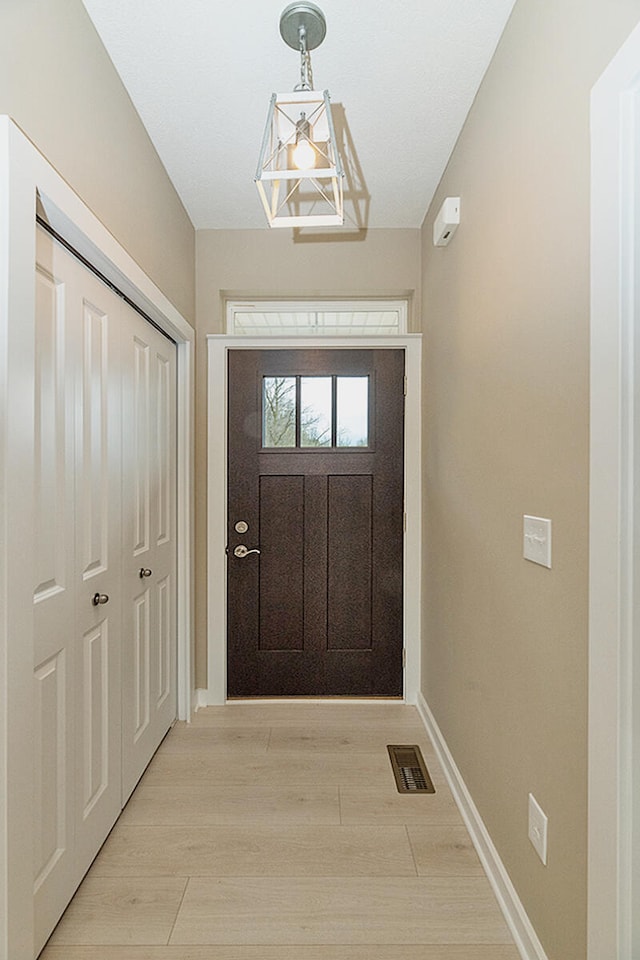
[316,412]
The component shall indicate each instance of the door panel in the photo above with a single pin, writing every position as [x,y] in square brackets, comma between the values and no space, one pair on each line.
[54,595]
[318,611]
[166,668]
[53,465]
[98,566]
[281,570]
[53,799]
[77,520]
[350,563]
[95,656]
[315,560]
[149,647]
[165,403]
[141,658]
[95,445]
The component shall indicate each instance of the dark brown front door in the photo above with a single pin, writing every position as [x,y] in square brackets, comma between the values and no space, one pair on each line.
[316,441]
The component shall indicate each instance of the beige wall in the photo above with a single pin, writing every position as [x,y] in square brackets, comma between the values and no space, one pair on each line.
[60,87]
[506,353]
[269,263]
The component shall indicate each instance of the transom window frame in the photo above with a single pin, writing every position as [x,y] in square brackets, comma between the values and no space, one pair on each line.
[262,306]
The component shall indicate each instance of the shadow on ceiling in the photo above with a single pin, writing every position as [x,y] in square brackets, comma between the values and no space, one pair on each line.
[357,199]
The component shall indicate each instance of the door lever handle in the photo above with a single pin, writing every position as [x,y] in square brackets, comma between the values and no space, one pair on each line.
[241,551]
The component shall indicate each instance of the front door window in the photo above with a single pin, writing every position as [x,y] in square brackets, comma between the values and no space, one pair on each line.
[315,412]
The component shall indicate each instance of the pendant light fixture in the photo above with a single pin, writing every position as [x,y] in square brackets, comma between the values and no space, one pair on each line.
[299,175]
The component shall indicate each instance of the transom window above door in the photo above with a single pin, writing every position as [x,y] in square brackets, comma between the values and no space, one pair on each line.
[327,318]
[315,412]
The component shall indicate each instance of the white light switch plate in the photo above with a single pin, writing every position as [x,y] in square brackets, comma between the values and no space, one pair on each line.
[537,540]
[538,823]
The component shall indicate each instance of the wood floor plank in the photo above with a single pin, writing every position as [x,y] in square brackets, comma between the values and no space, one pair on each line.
[443,850]
[348,738]
[255,851]
[123,911]
[339,911]
[280,952]
[240,740]
[303,769]
[382,804]
[212,804]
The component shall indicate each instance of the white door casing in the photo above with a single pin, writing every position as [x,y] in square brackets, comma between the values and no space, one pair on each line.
[614,590]
[218,347]
[25,178]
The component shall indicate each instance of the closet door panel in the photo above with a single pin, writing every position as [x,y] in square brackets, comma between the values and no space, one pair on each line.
[98,565]
[53,463]
[53,596]
[95,506]
[164,470]
[165,673]
[149,624]
[77,520]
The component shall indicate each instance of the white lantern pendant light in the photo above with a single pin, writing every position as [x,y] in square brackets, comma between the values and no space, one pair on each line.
[299,175]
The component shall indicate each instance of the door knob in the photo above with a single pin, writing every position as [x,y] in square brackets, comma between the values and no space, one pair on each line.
[145,572]
[241,551]
[99,598]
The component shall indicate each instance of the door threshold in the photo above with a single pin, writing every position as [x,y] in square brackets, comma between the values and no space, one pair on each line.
[336,699]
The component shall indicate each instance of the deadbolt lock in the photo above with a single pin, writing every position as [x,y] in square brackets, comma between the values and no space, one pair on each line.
[241,526]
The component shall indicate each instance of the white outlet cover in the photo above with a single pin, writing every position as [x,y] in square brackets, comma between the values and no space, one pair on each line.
[537,540]
[538,824]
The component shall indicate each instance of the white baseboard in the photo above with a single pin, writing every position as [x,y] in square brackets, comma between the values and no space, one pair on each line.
[521,928]
[201,698]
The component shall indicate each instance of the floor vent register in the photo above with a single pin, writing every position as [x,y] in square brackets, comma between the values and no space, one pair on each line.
[409,769]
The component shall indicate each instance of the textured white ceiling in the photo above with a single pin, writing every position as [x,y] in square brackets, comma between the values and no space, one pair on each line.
[200,74]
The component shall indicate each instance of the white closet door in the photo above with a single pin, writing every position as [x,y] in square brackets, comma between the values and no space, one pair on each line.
[149,512]
[54,594]
[78,526]
[105,584]
[98,548]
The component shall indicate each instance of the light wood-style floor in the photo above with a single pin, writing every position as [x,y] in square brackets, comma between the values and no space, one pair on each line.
[275,832]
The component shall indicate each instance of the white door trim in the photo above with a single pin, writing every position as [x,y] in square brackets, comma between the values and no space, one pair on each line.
[614,596]
[218,347]
[25,177]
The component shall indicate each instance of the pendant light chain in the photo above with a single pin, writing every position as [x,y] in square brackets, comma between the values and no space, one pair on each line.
[306,73]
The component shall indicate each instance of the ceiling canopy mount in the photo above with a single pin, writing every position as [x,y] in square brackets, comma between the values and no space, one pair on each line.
[306,17]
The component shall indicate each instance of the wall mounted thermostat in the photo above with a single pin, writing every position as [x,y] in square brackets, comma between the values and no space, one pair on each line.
[446,223]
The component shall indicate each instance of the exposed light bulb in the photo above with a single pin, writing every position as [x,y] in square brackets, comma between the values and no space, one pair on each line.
[304,153]
[304,156]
